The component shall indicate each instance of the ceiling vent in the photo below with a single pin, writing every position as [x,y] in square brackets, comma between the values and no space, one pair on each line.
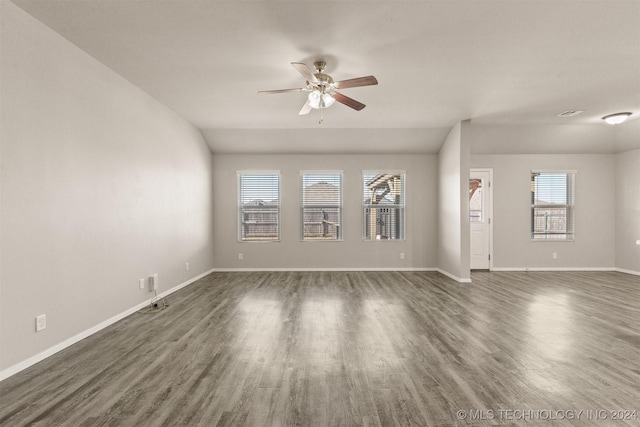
[570,113]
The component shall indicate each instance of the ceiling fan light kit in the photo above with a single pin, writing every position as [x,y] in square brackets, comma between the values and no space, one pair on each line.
[323,90]
[319,99]
[617,118]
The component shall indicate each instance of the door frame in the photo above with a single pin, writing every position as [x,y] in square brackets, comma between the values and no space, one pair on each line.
[490,204]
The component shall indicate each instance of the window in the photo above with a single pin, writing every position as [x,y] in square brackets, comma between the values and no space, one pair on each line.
[552,205]
[259,206]
[321,205]
[383,205]
[475,200]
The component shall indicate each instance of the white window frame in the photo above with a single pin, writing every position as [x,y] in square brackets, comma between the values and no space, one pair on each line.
[569,206]
[336,225]
[244,209]
[397,209]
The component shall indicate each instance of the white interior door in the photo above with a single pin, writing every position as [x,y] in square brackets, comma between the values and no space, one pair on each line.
[480,218]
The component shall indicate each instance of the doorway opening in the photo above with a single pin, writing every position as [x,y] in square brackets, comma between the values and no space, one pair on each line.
[481,219]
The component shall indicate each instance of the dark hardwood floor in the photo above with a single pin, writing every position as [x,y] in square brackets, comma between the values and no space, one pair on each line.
[354,348]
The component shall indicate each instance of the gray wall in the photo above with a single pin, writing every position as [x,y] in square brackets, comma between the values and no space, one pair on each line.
[594,245]
[628,210]
[100,186]
[419,245]
[453,203]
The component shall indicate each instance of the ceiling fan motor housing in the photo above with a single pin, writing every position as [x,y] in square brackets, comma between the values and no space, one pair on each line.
[324,80]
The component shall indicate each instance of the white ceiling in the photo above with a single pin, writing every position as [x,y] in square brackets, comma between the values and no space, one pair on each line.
[509,66]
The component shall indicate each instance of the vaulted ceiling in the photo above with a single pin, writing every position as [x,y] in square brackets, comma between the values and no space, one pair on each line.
[509,66]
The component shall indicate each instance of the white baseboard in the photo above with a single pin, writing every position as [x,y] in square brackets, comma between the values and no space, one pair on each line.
[187,283]
[525,269]
[240,270]
[12,370]
[451,276]
[622,270]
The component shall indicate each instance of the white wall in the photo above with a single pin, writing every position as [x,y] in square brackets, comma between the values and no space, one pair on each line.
[100,186]
[453,204]
[594,245]
[627,135]
[419,245]
[543,139]
[628,211]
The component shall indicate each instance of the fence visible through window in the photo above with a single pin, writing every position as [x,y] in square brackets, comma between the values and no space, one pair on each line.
[321,205]
[259,206]
[552,205]
[383,205]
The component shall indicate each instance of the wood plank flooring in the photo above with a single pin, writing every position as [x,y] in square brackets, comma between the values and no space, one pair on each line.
[353,348]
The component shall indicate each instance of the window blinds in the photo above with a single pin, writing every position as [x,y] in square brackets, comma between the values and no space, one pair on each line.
[321,205]
[552,205]
[259,206]
[383,205]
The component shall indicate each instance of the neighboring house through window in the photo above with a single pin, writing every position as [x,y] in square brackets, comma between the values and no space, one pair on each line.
[258,206]
[321,205]
[383,205]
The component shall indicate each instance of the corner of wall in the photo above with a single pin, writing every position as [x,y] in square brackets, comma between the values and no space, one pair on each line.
[454,160]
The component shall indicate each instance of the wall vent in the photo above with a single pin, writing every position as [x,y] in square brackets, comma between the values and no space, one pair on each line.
[570,113]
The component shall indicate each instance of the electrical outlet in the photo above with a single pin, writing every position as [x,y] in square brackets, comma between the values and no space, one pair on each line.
[637,242]
[141,283]
[41,322]
[401,255]
[240,256]
[186,266]
[554,255]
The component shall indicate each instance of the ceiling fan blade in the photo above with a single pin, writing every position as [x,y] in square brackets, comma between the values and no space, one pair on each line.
[300,89]
[360,81]
[305,71]
[305,108]
[349,102]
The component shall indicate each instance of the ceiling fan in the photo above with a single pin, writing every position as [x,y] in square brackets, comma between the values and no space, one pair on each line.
[323,89]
